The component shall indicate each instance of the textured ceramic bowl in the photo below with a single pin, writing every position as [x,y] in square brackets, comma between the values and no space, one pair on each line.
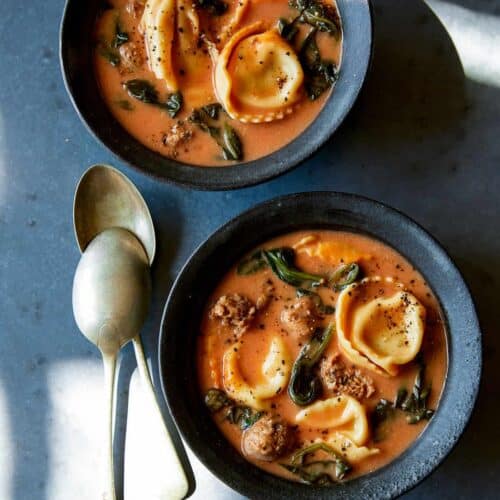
[180,327]
[76,60]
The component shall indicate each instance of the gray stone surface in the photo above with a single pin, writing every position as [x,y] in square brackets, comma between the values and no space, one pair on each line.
[423,137]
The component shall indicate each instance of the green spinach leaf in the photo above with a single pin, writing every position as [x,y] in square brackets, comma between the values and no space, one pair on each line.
[319,15]
[281,261]
[226,138]
[174,104]
[288,29]
[120,37]
[318,472]
[231,143]
[144,91]
[317,300]
[319,75]
[305,386]
[108,53]
[252,264]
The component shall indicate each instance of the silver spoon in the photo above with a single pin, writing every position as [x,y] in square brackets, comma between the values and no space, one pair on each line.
[105,198]
[112,291]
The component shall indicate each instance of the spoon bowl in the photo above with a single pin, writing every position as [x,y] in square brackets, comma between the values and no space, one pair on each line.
[105,198]
[112,289]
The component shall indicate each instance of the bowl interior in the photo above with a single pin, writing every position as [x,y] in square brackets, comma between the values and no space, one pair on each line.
[76,60]
[180,327]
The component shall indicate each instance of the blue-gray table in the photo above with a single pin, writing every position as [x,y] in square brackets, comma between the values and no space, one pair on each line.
[424,137]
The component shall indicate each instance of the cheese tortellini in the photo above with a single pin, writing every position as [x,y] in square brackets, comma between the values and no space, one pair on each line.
[349,449]
[341,413]
[383,332]
[258,76]
[275,369]
[332,252]
[162,22]
[345,419]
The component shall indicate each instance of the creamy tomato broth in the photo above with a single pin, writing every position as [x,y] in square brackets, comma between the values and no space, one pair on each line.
[160,63]
[387,341]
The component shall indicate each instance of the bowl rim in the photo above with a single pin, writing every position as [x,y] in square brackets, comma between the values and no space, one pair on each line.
[441,433]
[221,178]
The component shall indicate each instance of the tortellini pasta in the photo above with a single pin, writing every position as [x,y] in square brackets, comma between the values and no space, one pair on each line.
[236,13]
[258,76]
[342,414]
[332,252]
[162,22]
[348,449]
[382,333]
[276,370]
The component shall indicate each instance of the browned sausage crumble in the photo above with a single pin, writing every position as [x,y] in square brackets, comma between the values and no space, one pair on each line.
[268,439]
[300,318]
[340,379]
[266,296]
[176,135]
[234,310]
[131,56]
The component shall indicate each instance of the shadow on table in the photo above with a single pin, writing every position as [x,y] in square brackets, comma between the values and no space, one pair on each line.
[415,87]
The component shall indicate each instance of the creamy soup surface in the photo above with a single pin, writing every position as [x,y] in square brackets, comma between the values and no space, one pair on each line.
[263,71]
[361,394]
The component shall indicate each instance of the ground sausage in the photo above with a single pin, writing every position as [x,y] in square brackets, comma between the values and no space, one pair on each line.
[177,134]
[234,310]
[131,57]
[266,296]
[300,318]
[340,379]
[267,439]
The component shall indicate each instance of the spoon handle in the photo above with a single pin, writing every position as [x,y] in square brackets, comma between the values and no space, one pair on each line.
[109,361]
[172,482]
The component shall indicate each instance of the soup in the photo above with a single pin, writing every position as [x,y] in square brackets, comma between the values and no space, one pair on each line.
[211,82]
[322,356]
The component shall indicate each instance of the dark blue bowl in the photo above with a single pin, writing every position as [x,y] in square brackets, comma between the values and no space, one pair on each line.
[198,278]
[76,61]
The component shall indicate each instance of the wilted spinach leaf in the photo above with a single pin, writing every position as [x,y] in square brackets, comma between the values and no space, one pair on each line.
[317,300]
[319,15]
[243,416]
[288,30]
[216,399]
[111,55]
[318,472]
[174,104]
[319,75]
[281,261]
[120,37]
[226,138]
[212,110]
[232,148]
[252,264]
[124,104]
[344,275]
[305,386]
[144,91]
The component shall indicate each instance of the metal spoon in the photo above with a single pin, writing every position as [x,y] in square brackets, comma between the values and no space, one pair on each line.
[111,290]
[108,308]
[105,198]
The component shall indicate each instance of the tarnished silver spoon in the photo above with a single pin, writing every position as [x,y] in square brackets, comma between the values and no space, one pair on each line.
[112,292]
